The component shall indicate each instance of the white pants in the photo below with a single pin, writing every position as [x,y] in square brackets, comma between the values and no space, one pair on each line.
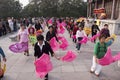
[95,66]
[119,63]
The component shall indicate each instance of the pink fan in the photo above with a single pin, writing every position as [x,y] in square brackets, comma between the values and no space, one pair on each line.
[54,44]
[116,57]
[84,40]
[61,29]
[64,43]
[95,37]
[43,65]
[74,36]
[50,21]
[69,57]
[63,24]
[18,47]
[107,59]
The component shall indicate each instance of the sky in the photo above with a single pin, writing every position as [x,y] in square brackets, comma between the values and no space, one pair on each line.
[24,2]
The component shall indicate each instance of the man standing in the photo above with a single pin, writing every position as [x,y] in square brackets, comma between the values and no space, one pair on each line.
[95,28]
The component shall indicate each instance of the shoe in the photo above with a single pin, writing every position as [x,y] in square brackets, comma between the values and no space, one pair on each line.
[91,71]
[1,76]
[97,75]
[28,54]
[24,53]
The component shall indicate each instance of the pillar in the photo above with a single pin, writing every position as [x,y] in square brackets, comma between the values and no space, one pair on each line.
[113,9]
[103,3]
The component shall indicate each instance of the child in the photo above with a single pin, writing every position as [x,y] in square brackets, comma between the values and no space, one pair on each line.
[23,37]
[95,28]
[79,36]
[31,30]
[105,31]
[42,47]
[99,52]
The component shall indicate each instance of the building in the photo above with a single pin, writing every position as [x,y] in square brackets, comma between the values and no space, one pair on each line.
[112,10]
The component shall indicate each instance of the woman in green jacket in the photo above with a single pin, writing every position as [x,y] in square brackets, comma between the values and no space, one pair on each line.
[100,49]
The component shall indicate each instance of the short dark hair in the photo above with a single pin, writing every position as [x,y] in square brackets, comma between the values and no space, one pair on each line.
[95,21]
[40,37]
[101,36]
[106,25]
[22,24]
[50,27]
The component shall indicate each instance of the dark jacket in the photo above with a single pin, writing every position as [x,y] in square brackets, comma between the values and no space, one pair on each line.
[95,28]
[38,26]
[49,36]
[105,32]
[45,49]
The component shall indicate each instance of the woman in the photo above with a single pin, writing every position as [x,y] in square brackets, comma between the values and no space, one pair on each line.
[74,32]
[99,52]
[38,26]
[87,27]
[79,36]
[42,47]
[23,38]
[50,34]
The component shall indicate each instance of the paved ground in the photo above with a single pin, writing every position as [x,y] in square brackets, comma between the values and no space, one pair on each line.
[20,67]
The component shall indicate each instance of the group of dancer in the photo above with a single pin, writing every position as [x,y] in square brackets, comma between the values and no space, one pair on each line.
[77,30]
[80,30]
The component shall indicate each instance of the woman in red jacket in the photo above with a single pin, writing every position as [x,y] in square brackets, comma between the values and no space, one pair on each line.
[74,32]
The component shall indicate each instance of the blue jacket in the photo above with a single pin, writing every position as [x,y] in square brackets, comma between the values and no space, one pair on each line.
[2,52]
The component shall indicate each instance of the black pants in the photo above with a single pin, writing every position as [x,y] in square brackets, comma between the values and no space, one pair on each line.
[79,44]
[0,32]
[46,76]
[93,35]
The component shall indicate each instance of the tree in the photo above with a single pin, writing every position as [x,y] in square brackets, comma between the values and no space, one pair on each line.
[56,8]
[10,8]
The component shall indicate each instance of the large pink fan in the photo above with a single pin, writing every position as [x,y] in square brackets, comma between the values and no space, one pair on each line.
[74,36]
[61,29]
[95,37]
[50,21]
[54,44]
[18,47]
[108,58]
[84,40]
[63,24]
[64,43]
[43,65]
[69,57]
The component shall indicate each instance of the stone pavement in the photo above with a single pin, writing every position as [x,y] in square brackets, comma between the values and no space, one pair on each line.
[20,67]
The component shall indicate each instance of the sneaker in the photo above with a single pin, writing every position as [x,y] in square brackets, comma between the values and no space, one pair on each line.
[27,54]
[91,71]
[24,53]
[97,75]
